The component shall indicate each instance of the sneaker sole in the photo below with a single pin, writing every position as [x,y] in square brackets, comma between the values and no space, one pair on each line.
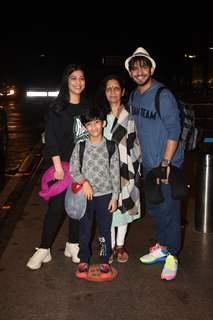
[46,260]
[122,261]
[70,256]
[162,259]
[34,268]
[168,278]
[81,275]
[106,276]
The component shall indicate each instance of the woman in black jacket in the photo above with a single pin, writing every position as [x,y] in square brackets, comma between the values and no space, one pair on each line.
[63,130]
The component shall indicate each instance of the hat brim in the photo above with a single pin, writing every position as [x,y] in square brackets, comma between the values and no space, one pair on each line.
[139,55]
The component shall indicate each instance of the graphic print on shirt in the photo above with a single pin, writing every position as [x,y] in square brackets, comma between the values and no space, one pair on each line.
[79,132]
[102,242]
[143,112]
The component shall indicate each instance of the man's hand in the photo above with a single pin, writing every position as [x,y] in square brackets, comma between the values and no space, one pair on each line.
[167,172]
[113,204]
[162,173]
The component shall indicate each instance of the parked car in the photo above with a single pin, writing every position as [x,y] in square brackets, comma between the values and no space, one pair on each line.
[3,145]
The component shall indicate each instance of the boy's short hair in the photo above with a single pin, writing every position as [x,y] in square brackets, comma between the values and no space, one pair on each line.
[91,113]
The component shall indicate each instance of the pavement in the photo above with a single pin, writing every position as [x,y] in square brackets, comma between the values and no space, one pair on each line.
[53,292]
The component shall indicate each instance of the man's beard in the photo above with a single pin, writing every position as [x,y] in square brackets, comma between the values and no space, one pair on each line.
[144,83]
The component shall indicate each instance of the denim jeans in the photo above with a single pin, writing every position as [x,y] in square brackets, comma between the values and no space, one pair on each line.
[167,220]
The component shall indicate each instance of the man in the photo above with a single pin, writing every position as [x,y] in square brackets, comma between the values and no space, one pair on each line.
[158,136]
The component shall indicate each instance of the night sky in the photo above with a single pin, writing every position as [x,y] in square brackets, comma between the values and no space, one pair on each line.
[40,54]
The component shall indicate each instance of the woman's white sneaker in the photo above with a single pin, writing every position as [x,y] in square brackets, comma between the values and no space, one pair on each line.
[71,251]
[39,257]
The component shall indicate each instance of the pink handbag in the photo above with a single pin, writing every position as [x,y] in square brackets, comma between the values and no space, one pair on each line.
[59,186]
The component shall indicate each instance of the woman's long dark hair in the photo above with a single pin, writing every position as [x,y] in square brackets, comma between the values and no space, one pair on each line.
[62,100]
[101,99]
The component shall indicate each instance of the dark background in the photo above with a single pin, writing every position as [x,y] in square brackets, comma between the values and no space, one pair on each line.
[37,57]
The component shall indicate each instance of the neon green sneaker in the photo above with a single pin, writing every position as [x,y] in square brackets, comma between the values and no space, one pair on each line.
[170,268]
[156,254]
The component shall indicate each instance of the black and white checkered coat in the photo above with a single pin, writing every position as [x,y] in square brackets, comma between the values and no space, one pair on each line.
[123,132]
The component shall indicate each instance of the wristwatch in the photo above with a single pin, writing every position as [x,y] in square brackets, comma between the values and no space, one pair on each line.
[165,163]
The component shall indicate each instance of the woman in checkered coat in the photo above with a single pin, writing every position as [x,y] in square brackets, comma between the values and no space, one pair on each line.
[121,129]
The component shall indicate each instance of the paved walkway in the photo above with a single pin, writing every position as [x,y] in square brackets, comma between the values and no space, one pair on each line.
[53,292]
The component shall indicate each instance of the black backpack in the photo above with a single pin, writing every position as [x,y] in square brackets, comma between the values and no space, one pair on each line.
[189,133]
[110,148]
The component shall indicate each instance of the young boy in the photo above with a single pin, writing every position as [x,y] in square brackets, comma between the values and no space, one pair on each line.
[99,175]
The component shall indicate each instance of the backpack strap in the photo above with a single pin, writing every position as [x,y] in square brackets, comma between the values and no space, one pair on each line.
[81,152]
[157,100]
[131,96]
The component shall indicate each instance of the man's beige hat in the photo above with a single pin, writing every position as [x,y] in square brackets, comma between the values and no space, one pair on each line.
[140,52]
